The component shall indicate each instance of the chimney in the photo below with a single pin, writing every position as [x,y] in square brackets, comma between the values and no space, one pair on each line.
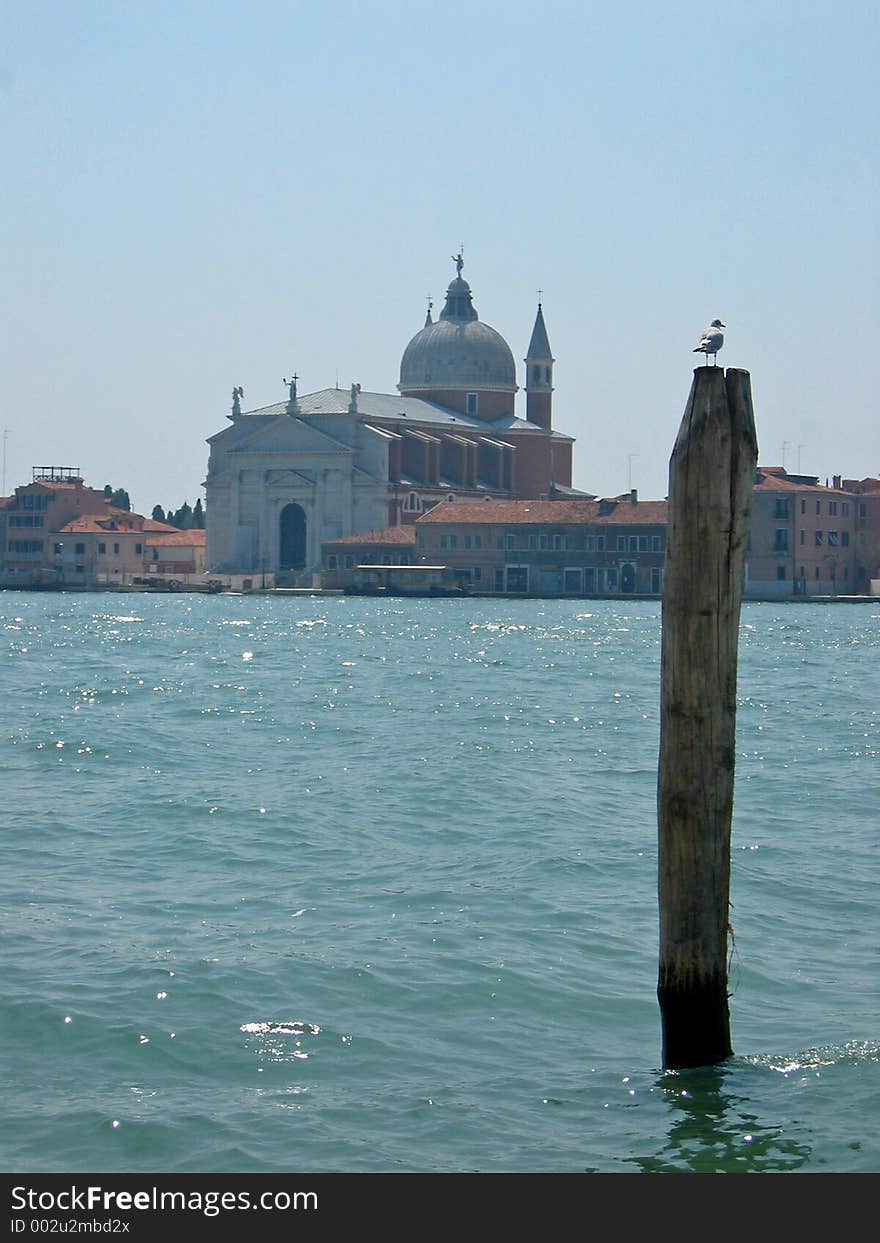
[634,496]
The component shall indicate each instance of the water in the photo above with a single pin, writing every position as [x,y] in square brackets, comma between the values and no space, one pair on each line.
[345,885]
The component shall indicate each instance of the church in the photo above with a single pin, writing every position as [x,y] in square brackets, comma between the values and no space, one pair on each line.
[284,479]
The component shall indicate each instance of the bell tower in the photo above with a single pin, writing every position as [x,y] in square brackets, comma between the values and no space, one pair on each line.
[539,375]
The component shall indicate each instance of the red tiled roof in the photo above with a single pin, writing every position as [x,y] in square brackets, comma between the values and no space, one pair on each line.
[99,524]
[548,513]
[772,481]
[388,535]
[194,538]
[150,524]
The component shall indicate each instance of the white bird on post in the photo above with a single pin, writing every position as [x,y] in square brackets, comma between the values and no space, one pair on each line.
[711,341]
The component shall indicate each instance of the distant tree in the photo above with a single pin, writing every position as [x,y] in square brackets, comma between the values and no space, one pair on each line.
[118,497]
[198,518]
[183,517]
[158,514]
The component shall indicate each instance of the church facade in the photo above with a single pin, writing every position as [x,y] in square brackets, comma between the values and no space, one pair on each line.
[285,479]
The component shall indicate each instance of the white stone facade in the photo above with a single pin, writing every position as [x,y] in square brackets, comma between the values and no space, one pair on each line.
[264,463]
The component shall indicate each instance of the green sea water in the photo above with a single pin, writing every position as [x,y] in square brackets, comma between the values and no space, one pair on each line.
[337,884]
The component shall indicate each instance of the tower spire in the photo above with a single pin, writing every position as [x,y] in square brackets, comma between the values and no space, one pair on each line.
[539,362]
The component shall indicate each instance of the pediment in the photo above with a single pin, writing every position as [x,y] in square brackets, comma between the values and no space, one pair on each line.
[287,435]
[289,478]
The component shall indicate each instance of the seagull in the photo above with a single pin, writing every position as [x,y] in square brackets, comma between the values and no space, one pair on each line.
[711,341]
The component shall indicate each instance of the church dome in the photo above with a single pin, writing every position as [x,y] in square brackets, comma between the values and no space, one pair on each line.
[458,351]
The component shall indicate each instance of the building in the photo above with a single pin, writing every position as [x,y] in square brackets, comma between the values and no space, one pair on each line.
[55,531]
[865,494]
[578,547]
[285,479]
[803,538]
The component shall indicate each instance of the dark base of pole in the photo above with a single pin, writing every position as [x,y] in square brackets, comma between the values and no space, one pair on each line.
[696,1022]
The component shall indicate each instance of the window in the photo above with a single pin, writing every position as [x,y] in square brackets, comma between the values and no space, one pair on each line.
[571,581]
[332,561]
[621,543]
[533,541]
[781,509]
[510,540]
[138,548]
[780,543]
[611,577]
[546,375]
[803,506]
[349,561]
[413,503]
[478,573]
[545,541]
[478,541]
[634,543]
[453,541]
[499,577]
[558,542]
[832,539]
[25,545]
[803,534]
[832,508]
[818,507]
[656,543]
[467,541]
[590,543]
[600,543]
[844,539]
[780,573]
[499,541]
[643,543]
[820,539]
[656,579]
[536,375]
[102,548]
[844,508]
[473,403]
[80,550]
[115,550]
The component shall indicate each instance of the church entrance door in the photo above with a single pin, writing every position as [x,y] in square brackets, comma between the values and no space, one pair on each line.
[292,549]
[627,577]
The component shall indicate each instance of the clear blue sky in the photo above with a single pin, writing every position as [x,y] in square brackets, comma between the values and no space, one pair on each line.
[200,195]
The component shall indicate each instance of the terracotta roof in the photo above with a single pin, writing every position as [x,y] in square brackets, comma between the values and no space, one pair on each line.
[402,535]
[771,481]
[194,538]
[548,513]
[150,524]
[100,524]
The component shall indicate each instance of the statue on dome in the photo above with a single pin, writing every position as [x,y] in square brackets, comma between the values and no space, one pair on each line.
[458,260]
[237,394]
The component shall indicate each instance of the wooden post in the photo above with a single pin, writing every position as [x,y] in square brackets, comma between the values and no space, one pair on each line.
[711,476]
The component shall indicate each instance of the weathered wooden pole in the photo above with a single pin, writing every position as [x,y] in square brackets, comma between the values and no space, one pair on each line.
[711,475]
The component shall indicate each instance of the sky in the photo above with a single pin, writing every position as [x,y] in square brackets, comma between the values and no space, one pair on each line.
[203,195]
